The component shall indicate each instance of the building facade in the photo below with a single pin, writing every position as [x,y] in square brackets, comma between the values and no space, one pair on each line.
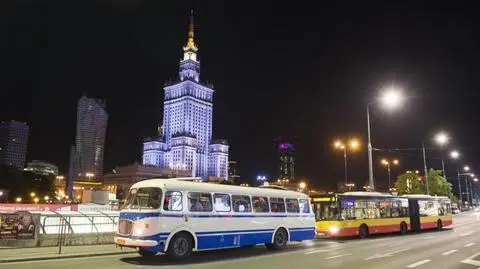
[286,161]
[13,143]
[92,121]
[185,141]
[42,168]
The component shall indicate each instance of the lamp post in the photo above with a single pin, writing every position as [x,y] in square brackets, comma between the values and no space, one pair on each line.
[89,176]
[387,164]
[442,139]
[454,155]
[353,144]
[466,168]
[391,98]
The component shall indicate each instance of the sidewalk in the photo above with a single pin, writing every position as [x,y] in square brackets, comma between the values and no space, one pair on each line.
[47,253]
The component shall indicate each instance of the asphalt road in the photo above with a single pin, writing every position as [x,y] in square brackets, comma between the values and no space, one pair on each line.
[451,248]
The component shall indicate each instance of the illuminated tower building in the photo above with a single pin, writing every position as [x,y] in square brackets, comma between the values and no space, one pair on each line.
[186,140]
[286,161]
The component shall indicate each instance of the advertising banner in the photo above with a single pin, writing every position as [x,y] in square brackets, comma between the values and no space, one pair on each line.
[20,225]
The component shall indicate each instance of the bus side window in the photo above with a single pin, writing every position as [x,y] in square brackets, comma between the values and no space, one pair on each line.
[200,202]
[221,202]
[173,201]
[277,205]
[292,206]
[241,203]
[260,204]
[304,208]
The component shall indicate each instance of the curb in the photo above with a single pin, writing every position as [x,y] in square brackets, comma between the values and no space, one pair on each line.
[66,256]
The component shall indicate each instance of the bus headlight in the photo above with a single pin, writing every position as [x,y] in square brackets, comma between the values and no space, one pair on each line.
[139,231]
[333,229]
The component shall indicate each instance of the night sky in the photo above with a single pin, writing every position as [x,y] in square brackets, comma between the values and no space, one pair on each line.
[291,70]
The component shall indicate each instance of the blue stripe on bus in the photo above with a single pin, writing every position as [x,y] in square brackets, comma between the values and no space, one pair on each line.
[139,215]
[236,238]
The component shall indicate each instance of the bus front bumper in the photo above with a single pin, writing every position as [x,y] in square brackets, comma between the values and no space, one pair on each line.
[129,242]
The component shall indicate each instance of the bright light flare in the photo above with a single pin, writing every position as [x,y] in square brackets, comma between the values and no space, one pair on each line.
[385,162]
[466,168]
[454,154]
[302,185]
[396,162]
[338,144]
[354,144]
[442,138]
[392,98]
[475,179]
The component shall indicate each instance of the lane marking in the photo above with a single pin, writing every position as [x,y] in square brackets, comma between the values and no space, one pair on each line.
[470,260]
[426,238]
[469,245]
[338,256]
[413,265]
[317,251]
[387,254]
[68,259]
[449,252]
[468,233]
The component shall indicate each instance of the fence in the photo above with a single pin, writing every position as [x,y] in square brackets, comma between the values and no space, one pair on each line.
[77,222]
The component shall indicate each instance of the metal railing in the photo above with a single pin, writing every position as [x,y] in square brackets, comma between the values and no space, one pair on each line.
[75,222]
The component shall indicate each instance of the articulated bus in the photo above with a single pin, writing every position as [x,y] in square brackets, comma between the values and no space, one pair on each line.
[365,213]
[178,216]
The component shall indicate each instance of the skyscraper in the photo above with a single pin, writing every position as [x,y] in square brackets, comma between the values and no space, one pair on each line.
[287,161]
[186,139]
[13,143]
[87,155]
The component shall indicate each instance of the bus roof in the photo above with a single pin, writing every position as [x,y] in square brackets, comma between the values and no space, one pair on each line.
[366,193]
[424,196]
[175,184]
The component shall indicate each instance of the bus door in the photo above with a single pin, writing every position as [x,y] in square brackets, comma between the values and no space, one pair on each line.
[414,211]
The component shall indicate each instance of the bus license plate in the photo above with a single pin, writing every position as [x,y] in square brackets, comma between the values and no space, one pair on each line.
[120,241]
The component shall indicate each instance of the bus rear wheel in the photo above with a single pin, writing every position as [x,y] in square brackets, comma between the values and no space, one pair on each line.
[180,246]
[403,228]
[363,231]
[279,240]
[146,254]
[439,225]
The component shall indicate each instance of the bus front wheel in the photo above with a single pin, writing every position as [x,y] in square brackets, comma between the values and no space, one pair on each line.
[180,246]
[363,231]
[279,240]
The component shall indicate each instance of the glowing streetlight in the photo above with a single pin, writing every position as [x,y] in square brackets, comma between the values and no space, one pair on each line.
[1,193]
[32,194]
[391,98]
[387,164]
[89,175]
[18,199]
[442,138]
[36,200]
[46,197]
[454,154]
[466,168]
[475,179]
[352,144]
[302,185]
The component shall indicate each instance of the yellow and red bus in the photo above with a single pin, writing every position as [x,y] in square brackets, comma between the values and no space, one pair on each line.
[365,213]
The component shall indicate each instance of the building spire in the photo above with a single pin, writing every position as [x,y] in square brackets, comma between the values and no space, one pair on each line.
[191,42]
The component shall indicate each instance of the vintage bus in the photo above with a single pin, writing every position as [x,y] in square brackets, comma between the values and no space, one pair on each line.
[178,216]
[365,213]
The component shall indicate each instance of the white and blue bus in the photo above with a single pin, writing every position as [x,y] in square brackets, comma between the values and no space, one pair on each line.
[178,216]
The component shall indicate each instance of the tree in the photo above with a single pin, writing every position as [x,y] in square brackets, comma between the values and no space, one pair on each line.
[438,185]
[409,183]
[412,183]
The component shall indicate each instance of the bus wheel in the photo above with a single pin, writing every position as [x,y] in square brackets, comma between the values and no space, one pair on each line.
[439,225]
[180,246]
[363,231]
[279,240]
[403,228]
[146,254]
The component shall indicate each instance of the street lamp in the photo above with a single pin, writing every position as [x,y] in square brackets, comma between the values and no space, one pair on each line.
[302,185]
[18,199]
[391,99]
[89,175]
[466,169]
[442,139]
[353,144]
[32,194]
[454,154]
[387,164]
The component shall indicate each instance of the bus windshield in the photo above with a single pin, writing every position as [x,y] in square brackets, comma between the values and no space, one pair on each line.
[325,210]
[143,198]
